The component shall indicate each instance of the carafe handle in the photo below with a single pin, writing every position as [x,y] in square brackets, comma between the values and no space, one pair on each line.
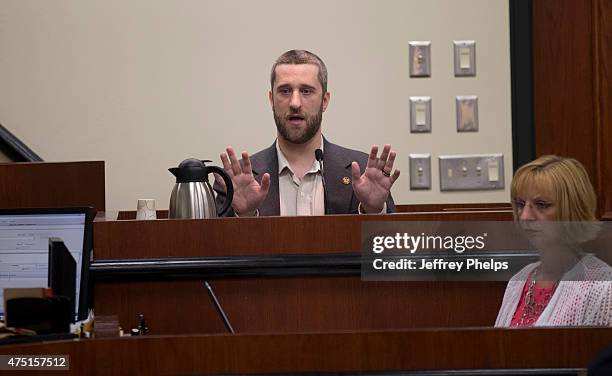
[229,195]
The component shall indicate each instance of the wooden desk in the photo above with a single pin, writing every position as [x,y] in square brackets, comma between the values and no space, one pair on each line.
[436,349]
[282,304]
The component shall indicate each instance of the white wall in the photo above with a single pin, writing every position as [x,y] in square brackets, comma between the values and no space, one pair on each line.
[4,158]
[143,84]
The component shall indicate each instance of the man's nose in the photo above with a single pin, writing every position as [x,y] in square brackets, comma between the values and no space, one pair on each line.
[296,100]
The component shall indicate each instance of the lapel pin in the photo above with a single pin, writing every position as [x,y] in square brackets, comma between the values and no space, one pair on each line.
[346,180]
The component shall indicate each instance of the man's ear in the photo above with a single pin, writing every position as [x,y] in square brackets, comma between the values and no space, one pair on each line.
[326,97]
[270,98]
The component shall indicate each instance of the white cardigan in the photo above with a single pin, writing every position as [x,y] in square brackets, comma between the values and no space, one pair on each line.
[582,298]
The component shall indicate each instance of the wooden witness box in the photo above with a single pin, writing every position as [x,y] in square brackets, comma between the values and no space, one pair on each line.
[280,301]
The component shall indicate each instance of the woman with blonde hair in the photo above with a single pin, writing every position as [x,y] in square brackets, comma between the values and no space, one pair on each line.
[554,203]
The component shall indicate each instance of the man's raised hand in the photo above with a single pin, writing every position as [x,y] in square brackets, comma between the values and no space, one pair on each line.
[248,193]
[374,186]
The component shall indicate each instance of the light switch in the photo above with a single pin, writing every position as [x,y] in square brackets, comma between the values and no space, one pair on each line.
[420,171]
[471,172]
[493,170]
[465,58]
[467,113]
[420,114]
[420,58]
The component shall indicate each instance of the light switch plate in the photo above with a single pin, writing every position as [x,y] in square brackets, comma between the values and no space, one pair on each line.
[471,172]
[420,114]
[420,171]
[465,57]
[467,113]
[420,58]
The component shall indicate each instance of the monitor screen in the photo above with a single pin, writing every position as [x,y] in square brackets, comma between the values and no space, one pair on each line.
[24,248]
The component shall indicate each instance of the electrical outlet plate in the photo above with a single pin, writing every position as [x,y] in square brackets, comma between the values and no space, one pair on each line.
[420,114]
[471,172]
[467,113]
[420,171]
[420,58]
[465,58]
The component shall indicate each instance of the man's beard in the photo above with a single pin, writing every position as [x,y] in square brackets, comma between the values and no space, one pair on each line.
[313,123]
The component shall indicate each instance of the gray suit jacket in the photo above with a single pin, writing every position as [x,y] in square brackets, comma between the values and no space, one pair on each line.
[337,161]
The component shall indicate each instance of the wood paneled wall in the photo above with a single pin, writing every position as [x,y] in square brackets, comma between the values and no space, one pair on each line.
[572,70]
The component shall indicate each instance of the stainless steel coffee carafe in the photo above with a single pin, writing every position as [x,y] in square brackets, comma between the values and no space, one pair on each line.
[192,196]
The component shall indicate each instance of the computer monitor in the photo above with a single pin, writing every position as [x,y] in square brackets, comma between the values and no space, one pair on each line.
[62,272]
[24,248]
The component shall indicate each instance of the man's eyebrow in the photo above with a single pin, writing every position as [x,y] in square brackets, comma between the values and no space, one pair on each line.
[302,86]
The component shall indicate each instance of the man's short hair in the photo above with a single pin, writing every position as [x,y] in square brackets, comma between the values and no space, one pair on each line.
[301,57]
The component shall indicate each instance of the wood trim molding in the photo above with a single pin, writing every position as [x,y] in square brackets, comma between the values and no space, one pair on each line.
[409,352]
[572,52]
[602,11]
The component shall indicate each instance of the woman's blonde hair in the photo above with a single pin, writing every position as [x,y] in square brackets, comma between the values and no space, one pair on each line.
[564,180]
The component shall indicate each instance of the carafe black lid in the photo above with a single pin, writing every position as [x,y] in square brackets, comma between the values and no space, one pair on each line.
[190,170]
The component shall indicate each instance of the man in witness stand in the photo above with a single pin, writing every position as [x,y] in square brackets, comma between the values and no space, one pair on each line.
[286,179]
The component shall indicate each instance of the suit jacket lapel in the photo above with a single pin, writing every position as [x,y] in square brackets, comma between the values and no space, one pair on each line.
[267,161]
[338,178]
